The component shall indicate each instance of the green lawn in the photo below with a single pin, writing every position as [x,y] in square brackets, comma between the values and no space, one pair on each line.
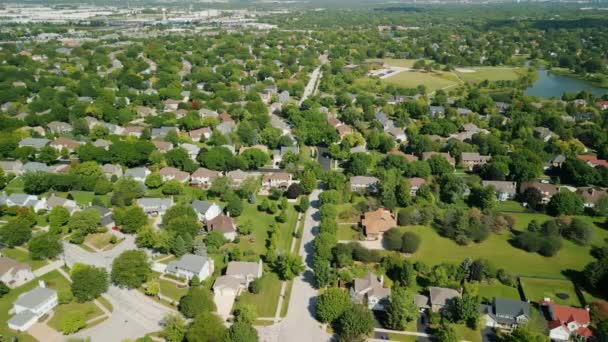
[101,240]
[412,79]
[15,186]
[171,289]
[24,257]
[435,249]
[266,301]
[510,206]
[346,232]
[53,280]
[496,289]
[536,290]
[401,338]
[467,334]
[491,74]
[89,309]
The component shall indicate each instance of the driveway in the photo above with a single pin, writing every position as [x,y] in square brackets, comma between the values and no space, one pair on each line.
[224,303]
[42,332]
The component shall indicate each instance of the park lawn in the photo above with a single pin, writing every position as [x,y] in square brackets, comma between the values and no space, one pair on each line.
[23,257]
[260,223]
[88,309]
[346,232]
[412,79]
[397,62]
[267,299]
[172,290]
[536,290]
[285,306]
[496,289]
[435,249]
[491,74]
[466,333]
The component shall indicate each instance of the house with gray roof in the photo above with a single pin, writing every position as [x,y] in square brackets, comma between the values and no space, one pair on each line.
[192,150]
[206,210]
[155,205]
[107,217]
[32,305]
[56,201]
[161,132]
[284,96]
[190,265]
[138,173]
[110,170]
[103,143]
[239,274]
[436,111]
[14,167]
[13,273]
[384,120]
[36,143]
[505,190]
[364,183]
[59,127]
[440,297]
[370,291]
[23,200]
[506,313]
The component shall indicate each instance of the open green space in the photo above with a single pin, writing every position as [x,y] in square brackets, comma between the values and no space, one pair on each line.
[23,257]
[490,73]
[495,289]
[536,290]
[88,309]
[412,79]
[53,280]
[267,299]
[467,334]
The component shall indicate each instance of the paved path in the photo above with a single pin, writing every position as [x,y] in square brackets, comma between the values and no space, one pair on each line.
[300,325]
[311,87]
[48,268]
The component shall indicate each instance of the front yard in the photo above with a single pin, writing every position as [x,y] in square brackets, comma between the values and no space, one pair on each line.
[23,257]
[102,241]
[266,301]
[88,309]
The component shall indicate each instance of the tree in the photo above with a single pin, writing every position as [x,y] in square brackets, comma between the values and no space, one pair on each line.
[482,197]
[72,322]
[152,287]
[85,222]
[410,242]
[88,282]
[253,158]
[289,266]
[523,334]
[217,158]
[175,328]
[4,289]
[45,246]
[47,155]
[392,239]
[439,165]
[130,219]
[58,217]
[172,187]
[154,180]
[355,324]
[446,333]
[533,197]
[215,240]
[15,233]
[304,204]
[206,327]
[294,191]
[130,269]
[179,247]
[241,332]
[308,182]
[196,301]
[565,203]
[126,190]
[401,309]
[331,304]
[234,205]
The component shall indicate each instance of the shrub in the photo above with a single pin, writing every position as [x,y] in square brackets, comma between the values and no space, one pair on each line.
[393,239]
[255,286]
[410,242]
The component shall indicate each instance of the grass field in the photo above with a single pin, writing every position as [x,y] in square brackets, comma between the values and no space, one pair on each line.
[346,232]
[537,289]
[88,309]
[432,81]
[100,240]
[435,249]
[267,300]
[490,74]
[496,289]
[467,334]
[23,257]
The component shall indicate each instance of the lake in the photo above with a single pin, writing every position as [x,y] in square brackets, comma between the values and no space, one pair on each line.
[553,85]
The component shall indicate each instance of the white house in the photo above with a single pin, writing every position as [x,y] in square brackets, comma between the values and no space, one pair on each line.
[32,305]
[13,273]
[206,211]
[23,200]
[155,205]
[191,265]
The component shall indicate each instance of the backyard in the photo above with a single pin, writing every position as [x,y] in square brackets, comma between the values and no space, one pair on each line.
[267,299]
[560,291]
[495,289]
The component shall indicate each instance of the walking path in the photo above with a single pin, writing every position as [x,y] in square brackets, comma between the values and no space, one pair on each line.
[48,268]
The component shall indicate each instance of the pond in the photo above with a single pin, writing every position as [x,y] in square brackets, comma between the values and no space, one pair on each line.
[549,85]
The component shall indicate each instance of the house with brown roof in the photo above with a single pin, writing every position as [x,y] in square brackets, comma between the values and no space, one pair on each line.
[277,180]
[171,105]
[197,134]
[171,173]
[133,131]
[143,112]
[344,130]
[591,195]
[446,155]
[58,127]
[162,146]
[370,291]
[237,177]
[62,142]
[203,177]
[223,224]
[440,297]
[376,222]
[415,184]
[13,273]
[473,159]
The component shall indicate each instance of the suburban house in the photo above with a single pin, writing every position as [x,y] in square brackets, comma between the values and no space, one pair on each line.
[133,131]
[446,155]
[138,173]
[384,120]
[35,167]
[376,222]
[506,313]
[546,190]
[110,170]
[473,159]
[156,206]
[65,143]
[556,161]
[13,273]
[593,161]
[162,146]
[206,210]
[440,297]
[239,274]
[344,130]
[32,305]
[544,134]
[161,132]
[505,190]
[223,224]
[603,105]
[171,105]
[35,143]
[107,217]
[397,133]
[190,265]
[203,177]
[58,127]
[14,167]
[191,149]
[237,177]
[415,184]
[436,111]
[591,196]
[364,184]
[279,154]
[422,302]
[276,180]
[56,201]
[105,144]
[197,134]
[566,322]
[370,291]
[171,173]
[23,200]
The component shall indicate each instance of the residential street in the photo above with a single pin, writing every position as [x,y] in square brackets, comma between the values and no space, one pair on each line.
[73,253]
[312,84]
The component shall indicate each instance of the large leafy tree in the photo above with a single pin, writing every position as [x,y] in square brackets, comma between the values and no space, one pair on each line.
[355,324]
[45,246]
[331,304]
[401,309]
[130,269]
[88,282]
[289,266]
[197,300]
[206,327]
